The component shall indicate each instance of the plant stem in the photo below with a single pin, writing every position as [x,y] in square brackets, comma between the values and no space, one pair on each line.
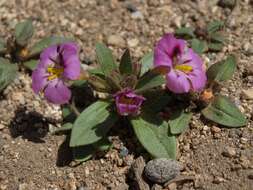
[73,107]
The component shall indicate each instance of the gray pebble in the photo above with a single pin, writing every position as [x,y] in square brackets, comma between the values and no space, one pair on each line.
[161,170]
[137,15]
[82,188]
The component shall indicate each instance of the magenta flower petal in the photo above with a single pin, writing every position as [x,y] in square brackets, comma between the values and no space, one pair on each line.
[128,103]
[178,82]
[162,60]
[72,67]
[165,50]
[198,80]
[48,55]
[39,80]
[171,45]
[69,48]
[58,64]
[71,61]
[185,71]
[56,92]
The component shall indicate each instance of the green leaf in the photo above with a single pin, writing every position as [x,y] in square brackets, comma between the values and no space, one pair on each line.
[67,114]
[147,62]
[105,59]
[154,137]
[126,66]
[23,32]
[217,37]
[199,46]
[214,26]
[46,42]
[96,71]
[8,73]
[179,122]
[66,111]
[215,46]
[2,46]
[78,83]
[64,127]
[224,112]
[31,64]
[83,153]
[223,70]
[92,124]
[102,145]
[150,80]
[185,32]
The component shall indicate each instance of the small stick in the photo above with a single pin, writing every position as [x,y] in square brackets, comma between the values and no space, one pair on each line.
[180,179]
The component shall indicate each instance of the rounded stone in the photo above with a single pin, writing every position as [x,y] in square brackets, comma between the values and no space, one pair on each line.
[161,170]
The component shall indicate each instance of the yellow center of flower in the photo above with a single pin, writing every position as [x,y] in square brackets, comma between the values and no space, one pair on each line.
[54,73]
[184,68]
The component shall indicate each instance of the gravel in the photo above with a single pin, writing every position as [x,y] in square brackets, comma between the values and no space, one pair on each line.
[200,149]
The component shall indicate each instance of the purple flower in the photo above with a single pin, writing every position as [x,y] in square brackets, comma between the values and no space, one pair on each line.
[128,103]
[183,67]
[58,64]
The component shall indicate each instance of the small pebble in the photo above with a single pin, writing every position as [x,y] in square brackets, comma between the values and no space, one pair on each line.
[248,94]
[218,180]
[2,126]
[161,170]
[172,186]
[215,129]
[132,42]
[116,40]
[229,152]
[156,187]
[123,151]
[137,15]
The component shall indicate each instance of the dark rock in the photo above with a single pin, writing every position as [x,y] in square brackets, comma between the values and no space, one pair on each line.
[161,170]
[227,3]
[131,8]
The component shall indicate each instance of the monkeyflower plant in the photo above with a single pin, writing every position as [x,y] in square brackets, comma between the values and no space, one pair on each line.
[156,95]
[18,53]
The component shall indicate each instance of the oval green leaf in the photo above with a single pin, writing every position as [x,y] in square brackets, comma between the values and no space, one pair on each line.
[150,80]
[179,122]
[214,26]
[92,124]
[185,32]
[224,112]
[199,46]
[31,64]
[105,59]
[3,47]
[126,66]
[8,73]
[147,62]
[23,32]
[154,137]
[223,70]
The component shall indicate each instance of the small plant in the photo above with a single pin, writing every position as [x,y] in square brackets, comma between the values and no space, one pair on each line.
[204,39]
[136,92]
[17,52]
